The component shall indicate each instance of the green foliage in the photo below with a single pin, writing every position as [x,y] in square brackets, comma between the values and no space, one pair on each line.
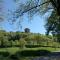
[22,43]
[19,39]
[53,25]
[32,46]
[33,7]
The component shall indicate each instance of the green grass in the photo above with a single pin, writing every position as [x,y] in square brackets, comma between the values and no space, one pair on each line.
[44,48]
[13,50]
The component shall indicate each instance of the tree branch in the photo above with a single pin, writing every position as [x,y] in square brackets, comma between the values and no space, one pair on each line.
[34,7]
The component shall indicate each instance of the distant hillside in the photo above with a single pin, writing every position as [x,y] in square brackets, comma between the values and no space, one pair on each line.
[24,38]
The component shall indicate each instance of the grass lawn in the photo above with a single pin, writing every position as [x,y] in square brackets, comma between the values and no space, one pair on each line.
[13,50]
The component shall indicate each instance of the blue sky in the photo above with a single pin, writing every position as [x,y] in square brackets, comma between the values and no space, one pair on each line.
[36,25]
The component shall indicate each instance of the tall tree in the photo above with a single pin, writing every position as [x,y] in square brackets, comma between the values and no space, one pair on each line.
[53,25]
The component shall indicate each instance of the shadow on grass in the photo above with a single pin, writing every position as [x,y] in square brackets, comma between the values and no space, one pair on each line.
[27,53]
[14,57]
[4,54]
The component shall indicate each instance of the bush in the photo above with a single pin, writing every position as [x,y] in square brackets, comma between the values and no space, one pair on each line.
[22,43]
[33,46]
[6,43]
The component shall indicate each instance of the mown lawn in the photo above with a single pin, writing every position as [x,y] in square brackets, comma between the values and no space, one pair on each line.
[13,50]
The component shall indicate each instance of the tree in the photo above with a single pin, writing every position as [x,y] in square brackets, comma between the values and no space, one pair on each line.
[32,7]
[53,25]
[27,30]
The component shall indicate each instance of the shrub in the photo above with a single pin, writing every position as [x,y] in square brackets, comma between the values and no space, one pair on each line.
[22,43]
[33,46]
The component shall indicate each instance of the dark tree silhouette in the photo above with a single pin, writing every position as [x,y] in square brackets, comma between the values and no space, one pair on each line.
[27,30]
